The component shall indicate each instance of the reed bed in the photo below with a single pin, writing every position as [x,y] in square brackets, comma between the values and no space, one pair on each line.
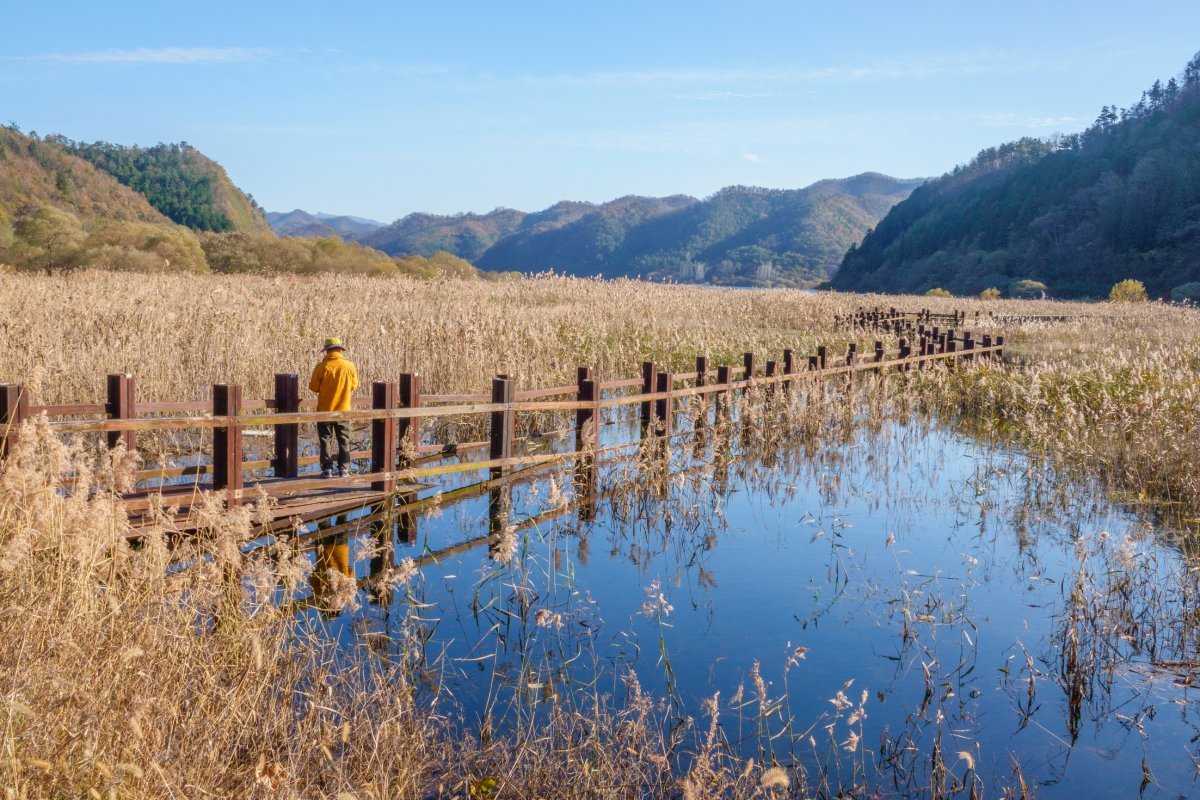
[179,334]
[1113,397]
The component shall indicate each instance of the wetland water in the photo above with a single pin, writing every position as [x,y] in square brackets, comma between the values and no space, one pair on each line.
[980,606]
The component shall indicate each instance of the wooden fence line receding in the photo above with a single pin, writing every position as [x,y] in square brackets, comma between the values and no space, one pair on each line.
[396,409]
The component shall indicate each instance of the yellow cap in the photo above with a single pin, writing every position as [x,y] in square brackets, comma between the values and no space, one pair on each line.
[333,343]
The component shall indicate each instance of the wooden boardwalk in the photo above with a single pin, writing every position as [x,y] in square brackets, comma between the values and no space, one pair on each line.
[401,466]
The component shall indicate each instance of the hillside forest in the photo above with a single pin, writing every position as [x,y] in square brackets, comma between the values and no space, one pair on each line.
[66,205]
[1073,215]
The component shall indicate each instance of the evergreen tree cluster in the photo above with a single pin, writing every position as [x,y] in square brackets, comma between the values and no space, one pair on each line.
[1078,213]
[175,178]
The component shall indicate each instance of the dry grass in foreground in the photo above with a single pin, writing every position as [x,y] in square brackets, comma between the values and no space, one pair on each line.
[125,679]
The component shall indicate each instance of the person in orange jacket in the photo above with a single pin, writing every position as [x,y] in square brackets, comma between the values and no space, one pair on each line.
[334,380]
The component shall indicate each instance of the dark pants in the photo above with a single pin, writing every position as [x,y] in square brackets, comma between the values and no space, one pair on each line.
[327,432]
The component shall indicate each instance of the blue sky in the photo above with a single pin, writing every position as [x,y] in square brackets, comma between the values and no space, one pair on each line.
[380,109]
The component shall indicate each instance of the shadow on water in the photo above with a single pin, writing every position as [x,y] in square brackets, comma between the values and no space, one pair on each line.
[900,599]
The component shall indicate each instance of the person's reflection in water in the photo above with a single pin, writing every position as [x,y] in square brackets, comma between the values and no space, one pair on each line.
[332,578]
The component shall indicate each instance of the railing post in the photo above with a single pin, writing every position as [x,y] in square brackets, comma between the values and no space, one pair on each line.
[724,378]
[14,408]
[851,352]
[384,439]
[587,439]
[789,362]
[587,420]
[383,530]
[287,437]
[1000,344]
[968,346]
[771,371]
[408,429]
[664,407]
[750,365]
[120,405]
[501,439]
[406,526]
[701,399]
[878,351]
[648,375]
[503,430]
[822,354]
[227,443]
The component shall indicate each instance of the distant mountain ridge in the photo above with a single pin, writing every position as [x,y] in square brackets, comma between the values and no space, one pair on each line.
[1079,214]
[312,226]
[465,235]
[739,236]
[363,221]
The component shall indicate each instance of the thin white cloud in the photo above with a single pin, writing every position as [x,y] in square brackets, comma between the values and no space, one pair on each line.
[917,67]
[753,158]
[708,96]
[162,55]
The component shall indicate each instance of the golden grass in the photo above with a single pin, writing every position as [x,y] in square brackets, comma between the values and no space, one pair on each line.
[1110,389]
[179,334]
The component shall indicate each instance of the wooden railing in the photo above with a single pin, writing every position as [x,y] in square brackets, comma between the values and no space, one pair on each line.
[395,412]
[897,320]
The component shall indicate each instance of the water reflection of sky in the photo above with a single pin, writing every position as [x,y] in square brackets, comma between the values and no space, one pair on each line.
[896,553]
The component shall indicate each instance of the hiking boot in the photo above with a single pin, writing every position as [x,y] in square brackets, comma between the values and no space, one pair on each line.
[343,472]
[327,473]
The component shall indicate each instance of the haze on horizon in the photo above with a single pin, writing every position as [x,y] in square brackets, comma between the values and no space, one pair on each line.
[382,110]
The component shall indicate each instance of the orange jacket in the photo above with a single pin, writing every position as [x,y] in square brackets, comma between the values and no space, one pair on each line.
[334,380]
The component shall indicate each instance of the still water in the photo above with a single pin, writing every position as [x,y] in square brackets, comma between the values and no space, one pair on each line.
[956,594]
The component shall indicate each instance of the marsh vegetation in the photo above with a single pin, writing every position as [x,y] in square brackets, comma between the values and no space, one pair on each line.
[964,582]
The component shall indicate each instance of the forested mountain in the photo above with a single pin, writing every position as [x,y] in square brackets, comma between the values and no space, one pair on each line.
[1078,213]
[739,236]
[299,223]
[577,237]
[465,235]
[60,212]
[352,226]
[180,181]
[310,226]
[36,173]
